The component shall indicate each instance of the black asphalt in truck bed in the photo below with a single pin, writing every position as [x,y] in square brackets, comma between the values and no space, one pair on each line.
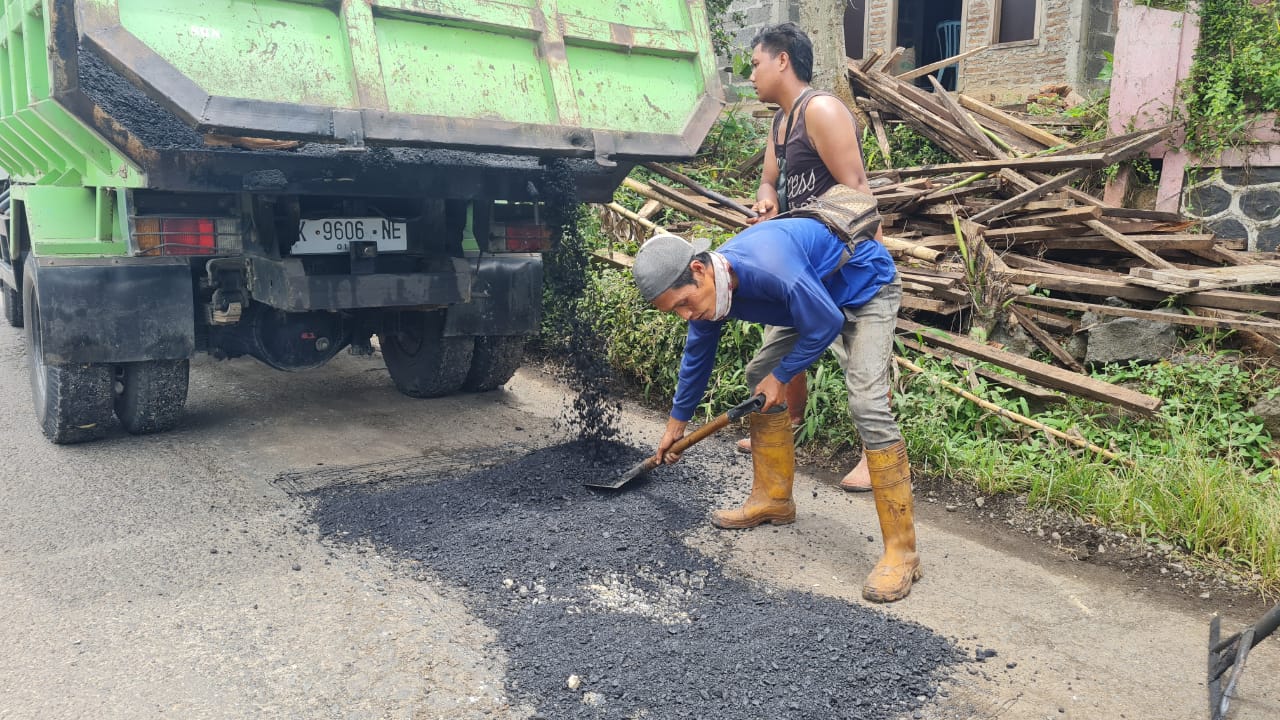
[600,584]
[159,129]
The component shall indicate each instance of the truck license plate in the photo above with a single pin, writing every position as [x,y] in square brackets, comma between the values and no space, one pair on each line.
[335,235]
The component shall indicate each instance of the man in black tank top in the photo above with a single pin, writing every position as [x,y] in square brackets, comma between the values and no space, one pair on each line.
[813,145]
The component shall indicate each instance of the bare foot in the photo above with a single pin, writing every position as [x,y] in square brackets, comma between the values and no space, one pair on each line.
[859,478]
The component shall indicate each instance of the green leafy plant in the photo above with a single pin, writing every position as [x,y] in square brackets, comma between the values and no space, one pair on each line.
[1235,75]
[722,19]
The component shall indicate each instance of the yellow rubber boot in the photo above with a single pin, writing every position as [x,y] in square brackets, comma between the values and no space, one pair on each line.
[773,459]
[891,578]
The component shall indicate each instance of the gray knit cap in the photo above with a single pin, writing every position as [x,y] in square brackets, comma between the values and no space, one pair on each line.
[661,260]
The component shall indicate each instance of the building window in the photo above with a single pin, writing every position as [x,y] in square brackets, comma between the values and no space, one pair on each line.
[1017,20]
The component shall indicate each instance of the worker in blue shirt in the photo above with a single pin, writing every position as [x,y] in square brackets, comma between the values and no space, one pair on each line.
[796,275]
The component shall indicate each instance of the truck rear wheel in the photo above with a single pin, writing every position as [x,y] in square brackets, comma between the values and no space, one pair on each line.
[72,402]
[423,363]
[12,303]
[149,396]
[494,360]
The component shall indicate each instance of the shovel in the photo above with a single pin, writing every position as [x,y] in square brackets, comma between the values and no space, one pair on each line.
[735,413]
[1229,655]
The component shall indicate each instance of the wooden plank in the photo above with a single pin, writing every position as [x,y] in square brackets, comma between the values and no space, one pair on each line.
[1029,233]
[1044,339]
[933,305]
[866,63]
[1061,268]
[1043,373]
[649,209]
[963,189]
[964,122]
[1120,239]
[1046,205]
[1101,287]
[1053,162]
[1060,324]
[1047,139]
[1029,194]
[613,258]
[1136,214]
[882,138]
[917,107]
[1037,393]
[1150,242]
[890,59]
[1059,217]
[1218,323]
[926,69]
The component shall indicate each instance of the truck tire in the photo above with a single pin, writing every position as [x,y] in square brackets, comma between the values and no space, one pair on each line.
[494,360]
[12,303]
[149,396]
[423,363]
[72,402]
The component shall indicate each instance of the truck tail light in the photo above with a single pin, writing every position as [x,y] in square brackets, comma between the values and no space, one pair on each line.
[186,236]
[527,237]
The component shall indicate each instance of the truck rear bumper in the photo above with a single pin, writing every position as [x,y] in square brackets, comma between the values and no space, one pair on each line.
[490,295]
[108,310]
[285,285]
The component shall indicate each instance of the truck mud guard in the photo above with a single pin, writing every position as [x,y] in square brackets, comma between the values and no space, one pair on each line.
[506,298]
[115,310]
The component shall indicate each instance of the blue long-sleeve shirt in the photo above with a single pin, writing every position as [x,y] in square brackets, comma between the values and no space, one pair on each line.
[780,265]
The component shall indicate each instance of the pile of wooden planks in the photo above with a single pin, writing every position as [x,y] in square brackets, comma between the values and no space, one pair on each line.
[983,239]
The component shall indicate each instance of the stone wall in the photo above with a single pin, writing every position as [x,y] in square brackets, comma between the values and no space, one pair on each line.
[1238,203]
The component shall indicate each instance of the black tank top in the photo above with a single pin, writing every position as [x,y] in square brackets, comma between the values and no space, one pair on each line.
[806,175]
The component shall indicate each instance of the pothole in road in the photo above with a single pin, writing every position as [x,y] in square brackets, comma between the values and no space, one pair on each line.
[600,586]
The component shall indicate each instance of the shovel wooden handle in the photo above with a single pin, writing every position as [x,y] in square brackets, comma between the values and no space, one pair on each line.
[679,446]
[752,405]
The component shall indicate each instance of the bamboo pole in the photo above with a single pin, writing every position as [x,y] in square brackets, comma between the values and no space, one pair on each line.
[1011,415]
[647,224]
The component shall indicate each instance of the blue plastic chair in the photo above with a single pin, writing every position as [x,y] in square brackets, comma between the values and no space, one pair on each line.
[949,45]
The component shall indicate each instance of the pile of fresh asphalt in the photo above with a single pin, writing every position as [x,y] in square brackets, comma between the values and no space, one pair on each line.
[600,586]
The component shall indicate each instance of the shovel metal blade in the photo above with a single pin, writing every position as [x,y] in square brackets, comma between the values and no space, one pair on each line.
[635,471]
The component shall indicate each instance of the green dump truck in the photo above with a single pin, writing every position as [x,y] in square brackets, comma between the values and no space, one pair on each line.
[285,179]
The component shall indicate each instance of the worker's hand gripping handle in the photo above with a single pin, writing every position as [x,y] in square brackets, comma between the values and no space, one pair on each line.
[741,410]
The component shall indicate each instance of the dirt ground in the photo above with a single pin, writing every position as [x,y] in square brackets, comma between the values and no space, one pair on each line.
[179,575]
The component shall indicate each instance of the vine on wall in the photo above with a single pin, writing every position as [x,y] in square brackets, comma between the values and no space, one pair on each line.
[1235,76]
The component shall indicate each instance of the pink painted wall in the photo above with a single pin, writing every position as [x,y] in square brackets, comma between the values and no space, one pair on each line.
[1153,54]
[1154,50]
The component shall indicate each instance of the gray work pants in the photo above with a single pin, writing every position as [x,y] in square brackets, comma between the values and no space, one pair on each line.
[865,349]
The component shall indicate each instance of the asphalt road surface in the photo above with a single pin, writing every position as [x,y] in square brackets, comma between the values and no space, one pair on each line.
[316,545]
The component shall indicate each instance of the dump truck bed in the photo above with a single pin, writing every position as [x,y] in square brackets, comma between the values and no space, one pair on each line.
[498,80]
[178,158]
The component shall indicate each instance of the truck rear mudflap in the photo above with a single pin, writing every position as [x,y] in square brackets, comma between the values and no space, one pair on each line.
[114,310]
